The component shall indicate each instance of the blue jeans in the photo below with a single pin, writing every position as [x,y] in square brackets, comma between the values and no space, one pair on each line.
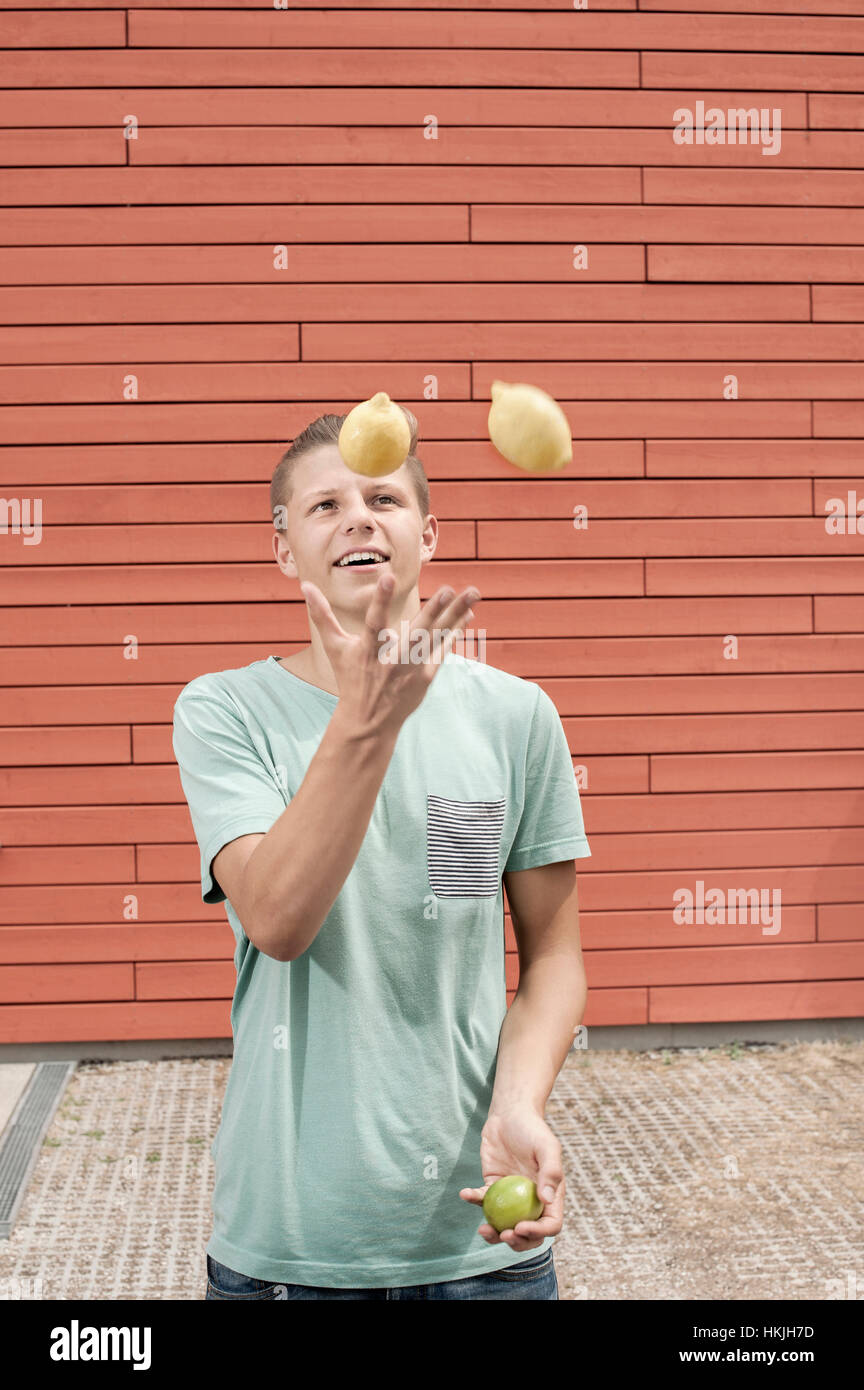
[532,1278]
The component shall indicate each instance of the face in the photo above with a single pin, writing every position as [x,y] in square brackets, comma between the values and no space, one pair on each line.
[333,510]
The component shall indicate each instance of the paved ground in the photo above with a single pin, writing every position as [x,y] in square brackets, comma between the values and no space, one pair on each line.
[732,1173]
[13,1080]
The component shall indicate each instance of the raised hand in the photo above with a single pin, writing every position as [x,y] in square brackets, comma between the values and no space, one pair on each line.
[380,694]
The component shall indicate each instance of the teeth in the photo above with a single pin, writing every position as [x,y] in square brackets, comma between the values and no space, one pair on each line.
[359,555]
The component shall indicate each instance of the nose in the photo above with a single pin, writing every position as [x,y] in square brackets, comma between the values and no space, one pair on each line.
[358,514]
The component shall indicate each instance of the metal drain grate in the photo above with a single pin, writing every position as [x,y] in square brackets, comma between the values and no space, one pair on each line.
[19,1146]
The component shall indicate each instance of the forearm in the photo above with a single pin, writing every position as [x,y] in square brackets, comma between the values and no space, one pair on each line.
[538,1031]
[297,871]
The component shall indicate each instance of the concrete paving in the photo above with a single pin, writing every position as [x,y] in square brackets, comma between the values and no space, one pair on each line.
[733,1172]
[14,1077]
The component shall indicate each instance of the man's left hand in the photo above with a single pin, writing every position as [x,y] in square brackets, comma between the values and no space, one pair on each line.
[518,1140]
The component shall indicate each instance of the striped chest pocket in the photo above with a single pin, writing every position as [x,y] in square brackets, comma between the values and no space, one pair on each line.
[463,842]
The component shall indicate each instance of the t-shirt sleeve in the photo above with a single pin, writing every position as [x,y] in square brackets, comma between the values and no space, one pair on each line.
[226,783]
[551,826]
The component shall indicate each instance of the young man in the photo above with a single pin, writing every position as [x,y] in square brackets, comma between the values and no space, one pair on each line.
[355,816]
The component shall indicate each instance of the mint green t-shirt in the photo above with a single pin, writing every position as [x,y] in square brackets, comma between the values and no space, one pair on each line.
[363,1070]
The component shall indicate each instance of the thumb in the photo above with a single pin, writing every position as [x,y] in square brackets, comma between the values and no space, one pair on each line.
[310,593]
[319,609]
[550,1177]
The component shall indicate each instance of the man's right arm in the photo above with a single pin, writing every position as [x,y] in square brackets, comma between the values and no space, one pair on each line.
[283,884]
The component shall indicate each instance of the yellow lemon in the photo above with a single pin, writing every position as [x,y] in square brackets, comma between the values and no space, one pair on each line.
[529,427]
[375,437]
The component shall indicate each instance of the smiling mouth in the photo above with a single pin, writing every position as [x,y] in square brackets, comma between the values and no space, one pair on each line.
[361,564]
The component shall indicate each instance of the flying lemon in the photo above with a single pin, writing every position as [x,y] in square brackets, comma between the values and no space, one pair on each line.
[529,427]
[375,437]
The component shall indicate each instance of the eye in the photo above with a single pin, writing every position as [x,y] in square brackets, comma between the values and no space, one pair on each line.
[327,502]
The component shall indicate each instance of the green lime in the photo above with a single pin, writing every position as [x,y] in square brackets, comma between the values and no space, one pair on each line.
[510,1200]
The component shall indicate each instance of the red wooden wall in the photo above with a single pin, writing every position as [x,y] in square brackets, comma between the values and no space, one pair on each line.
[409,258]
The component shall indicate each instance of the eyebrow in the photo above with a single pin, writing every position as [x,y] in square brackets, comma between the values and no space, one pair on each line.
[374,484]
